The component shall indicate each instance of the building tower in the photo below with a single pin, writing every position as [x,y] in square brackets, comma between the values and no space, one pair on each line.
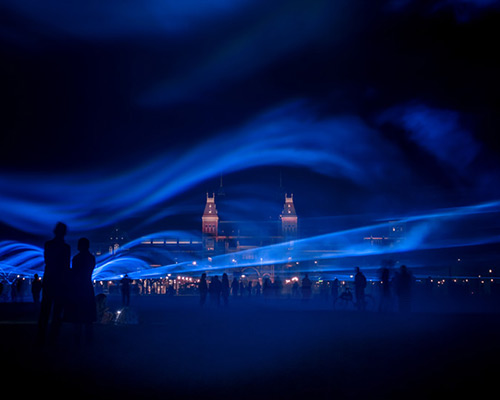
[210,224]
[289,220]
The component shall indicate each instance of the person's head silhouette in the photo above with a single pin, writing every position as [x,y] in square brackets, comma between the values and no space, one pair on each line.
[83,244]
[60,230]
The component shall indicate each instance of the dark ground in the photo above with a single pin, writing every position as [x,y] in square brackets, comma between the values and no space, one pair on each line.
[257,350]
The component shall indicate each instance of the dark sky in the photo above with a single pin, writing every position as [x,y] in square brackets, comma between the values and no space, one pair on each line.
[362,107]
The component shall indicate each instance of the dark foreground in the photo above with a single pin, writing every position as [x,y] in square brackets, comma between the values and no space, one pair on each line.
[257,350]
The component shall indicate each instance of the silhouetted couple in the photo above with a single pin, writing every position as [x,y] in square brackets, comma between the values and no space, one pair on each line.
[215,289]
[67,293]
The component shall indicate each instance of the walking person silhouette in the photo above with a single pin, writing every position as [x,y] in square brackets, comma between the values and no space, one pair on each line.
[225,289]
[203,288]
[36,289]
[359,289]
[57,255]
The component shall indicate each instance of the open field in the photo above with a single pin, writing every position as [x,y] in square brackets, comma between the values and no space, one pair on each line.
[253,349]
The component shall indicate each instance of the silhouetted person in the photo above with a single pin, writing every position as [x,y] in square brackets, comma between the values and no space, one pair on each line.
[36,288]
[404,282]
[266,287]
[385,290]
[203,288]
[306,287]
[323,291]
[20,287]
[249,288]
[278,286]
[82,306]
[335,289]
[214,290]
[13,290]
[257,288]
[125,283]
[296,289]
[359,289]
[57,256]
[225,288]
[235,286]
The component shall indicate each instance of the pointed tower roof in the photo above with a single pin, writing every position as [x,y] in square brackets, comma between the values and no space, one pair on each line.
[289,207]
[210,209]
[221,192]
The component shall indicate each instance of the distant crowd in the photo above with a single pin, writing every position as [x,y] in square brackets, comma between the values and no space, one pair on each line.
[66,292]
[217,292]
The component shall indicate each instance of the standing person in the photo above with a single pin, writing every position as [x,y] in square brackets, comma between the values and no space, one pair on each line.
[20,287]
[225,288]
[404,282]
[57,256]
[235,286]
[359,289]
[257,288]
[306,287]
[125,289]
[83,306]
[266,287]
[203,288]
[278,286]
[36,288]
[335,289]
[214,290]
[385,290]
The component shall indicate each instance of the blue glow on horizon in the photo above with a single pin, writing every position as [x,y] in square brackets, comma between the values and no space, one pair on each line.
[134,260]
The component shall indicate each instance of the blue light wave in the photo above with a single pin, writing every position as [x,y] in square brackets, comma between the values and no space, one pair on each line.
[32,202]
[433,230]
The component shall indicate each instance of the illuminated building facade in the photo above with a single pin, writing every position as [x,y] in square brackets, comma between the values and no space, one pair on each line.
[289,220]
[220,237]
[210,224]
[223,237]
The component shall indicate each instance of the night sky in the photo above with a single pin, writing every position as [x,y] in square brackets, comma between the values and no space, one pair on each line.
[128,113]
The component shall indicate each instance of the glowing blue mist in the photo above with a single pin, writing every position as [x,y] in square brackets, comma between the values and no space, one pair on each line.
[287,136]
[271,36]
[464,10]
[428,231]
[113,19]
[19,259]
[432,129]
